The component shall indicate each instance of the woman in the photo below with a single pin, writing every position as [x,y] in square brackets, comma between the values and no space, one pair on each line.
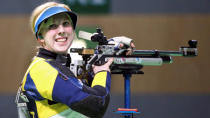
[51,88]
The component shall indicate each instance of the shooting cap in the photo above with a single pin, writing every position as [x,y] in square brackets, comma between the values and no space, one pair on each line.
[50,11]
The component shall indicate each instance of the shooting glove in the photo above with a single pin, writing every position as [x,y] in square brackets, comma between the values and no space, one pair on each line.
[117,41]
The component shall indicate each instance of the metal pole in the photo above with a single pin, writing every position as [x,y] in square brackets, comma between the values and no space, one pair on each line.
[127,91]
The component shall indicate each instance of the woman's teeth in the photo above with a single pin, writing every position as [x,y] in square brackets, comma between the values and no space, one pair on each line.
[61,40]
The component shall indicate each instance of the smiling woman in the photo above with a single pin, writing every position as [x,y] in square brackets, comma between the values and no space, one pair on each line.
[56,33]
[51,88]
[54,24]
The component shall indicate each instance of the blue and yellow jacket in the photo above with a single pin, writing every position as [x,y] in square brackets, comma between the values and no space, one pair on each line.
[54,92]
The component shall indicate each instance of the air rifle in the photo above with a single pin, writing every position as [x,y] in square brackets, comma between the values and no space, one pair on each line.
[122,64]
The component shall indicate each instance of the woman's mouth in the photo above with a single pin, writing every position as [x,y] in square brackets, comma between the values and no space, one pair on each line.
[61,39]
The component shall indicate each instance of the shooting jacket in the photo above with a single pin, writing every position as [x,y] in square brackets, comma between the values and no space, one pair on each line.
[54,92]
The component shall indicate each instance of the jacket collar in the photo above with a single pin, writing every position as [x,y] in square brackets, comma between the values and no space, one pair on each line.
[61,58]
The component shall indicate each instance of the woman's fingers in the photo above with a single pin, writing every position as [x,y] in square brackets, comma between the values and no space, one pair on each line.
[132,45]
[109,62]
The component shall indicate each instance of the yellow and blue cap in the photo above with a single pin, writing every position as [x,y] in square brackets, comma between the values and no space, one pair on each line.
[53,11]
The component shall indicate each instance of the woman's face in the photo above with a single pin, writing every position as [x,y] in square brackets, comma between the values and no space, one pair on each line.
[57,33]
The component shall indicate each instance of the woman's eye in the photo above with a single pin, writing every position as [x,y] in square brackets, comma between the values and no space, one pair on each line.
[53,26]
[66,24]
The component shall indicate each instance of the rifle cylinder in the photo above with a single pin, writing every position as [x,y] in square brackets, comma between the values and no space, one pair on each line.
[139,61]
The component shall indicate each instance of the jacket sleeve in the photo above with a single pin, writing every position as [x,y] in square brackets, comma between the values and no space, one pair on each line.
[90,101]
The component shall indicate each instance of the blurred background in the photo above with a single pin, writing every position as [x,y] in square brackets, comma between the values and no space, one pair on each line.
[177,90]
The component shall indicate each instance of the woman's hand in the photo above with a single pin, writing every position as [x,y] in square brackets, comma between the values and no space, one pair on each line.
[104,67]
[121,41]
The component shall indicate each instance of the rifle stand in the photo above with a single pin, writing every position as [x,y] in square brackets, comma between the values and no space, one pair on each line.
[127,112]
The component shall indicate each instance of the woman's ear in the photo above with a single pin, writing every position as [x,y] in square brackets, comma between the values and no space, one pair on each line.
[41,42]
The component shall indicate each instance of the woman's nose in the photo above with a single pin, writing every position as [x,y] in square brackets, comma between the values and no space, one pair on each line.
[60,29]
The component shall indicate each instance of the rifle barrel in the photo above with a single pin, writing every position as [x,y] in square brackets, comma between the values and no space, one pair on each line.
[157,53]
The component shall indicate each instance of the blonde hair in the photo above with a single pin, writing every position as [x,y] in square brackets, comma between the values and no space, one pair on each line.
[38,10]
